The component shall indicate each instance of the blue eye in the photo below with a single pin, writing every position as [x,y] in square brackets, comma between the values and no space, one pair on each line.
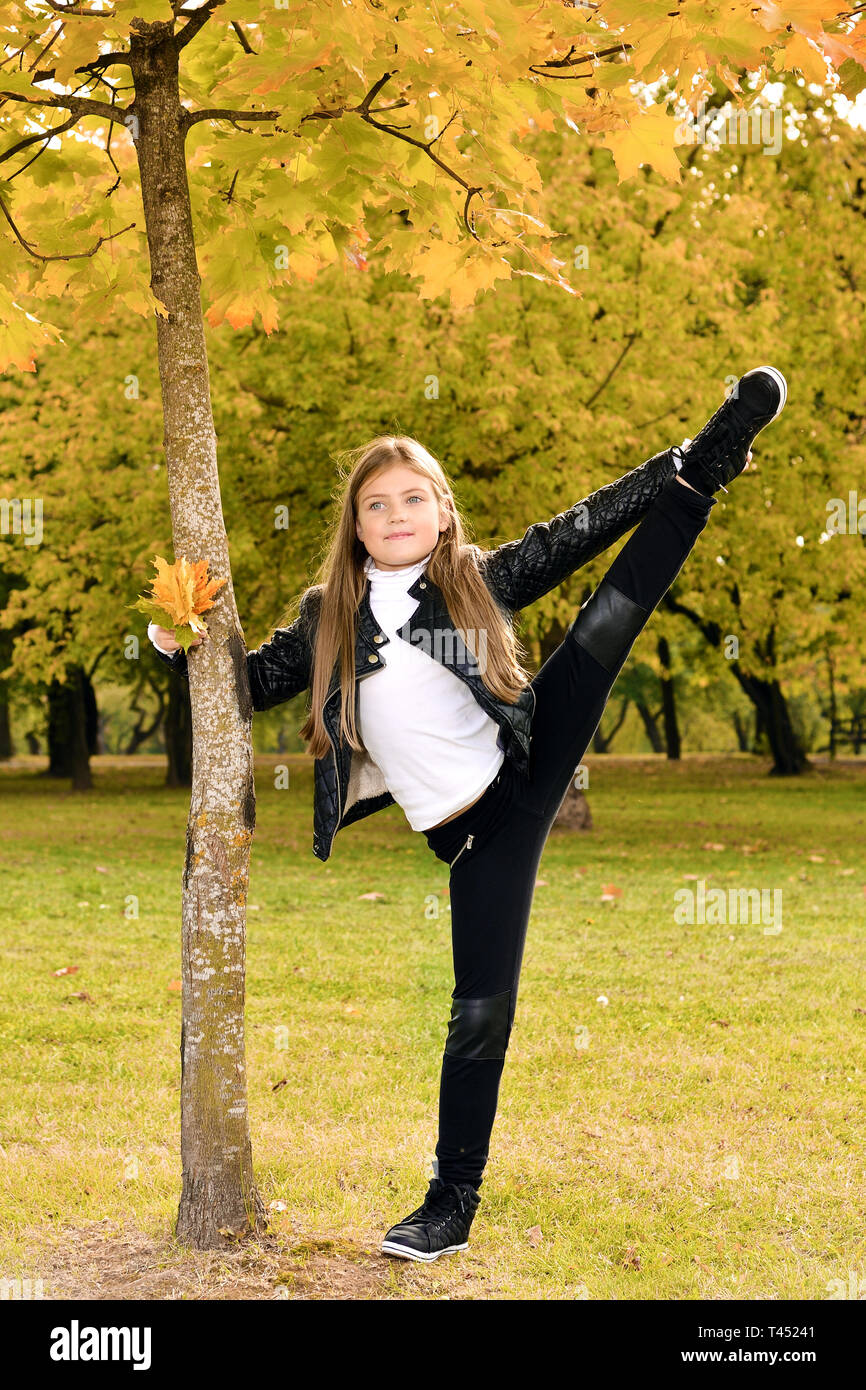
[411,499]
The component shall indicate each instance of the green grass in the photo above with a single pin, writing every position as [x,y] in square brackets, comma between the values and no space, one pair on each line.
[705,1143]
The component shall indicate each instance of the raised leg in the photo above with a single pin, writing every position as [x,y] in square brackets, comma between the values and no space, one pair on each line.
[492,884]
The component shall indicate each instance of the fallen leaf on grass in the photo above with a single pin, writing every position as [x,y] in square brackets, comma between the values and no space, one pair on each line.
[65,970]
[371,896]
[535,1236]
[175,985]
[609,891]
[710,845]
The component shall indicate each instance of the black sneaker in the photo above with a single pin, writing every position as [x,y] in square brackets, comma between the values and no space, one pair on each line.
[719,452]
[440,1226]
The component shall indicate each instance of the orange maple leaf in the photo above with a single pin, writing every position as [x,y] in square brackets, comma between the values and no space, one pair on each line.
[184,590]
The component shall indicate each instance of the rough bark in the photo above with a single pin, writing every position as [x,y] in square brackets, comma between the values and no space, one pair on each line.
[219,1195]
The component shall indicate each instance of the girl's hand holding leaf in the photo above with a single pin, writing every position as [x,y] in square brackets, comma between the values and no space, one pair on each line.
[180,593]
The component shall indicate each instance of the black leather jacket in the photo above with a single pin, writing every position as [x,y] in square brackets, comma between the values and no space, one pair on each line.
[348,784]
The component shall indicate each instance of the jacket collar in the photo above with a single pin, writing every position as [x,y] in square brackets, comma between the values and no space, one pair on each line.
[370,638]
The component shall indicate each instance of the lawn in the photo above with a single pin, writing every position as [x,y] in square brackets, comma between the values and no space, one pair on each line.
[681,1113]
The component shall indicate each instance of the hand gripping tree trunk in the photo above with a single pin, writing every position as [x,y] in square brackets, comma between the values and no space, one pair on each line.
[219,1193]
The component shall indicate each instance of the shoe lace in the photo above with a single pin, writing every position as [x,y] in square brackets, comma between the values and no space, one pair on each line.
[723,432]
[441,1204]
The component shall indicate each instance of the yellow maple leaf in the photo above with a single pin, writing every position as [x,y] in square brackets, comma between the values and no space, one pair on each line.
[649,138]
[799,53]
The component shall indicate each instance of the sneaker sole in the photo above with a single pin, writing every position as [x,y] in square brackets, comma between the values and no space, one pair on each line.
[391,1248]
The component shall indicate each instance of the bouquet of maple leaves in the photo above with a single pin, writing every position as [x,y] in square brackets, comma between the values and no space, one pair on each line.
[180,593]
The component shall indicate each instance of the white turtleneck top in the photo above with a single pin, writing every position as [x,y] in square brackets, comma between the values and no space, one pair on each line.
[420,723]
[422,726]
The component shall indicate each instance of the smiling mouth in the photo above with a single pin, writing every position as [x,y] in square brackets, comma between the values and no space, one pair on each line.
[399,536]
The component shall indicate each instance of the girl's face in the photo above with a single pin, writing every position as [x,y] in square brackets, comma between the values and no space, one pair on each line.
[399,518]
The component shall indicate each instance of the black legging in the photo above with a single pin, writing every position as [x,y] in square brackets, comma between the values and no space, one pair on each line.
[492,880]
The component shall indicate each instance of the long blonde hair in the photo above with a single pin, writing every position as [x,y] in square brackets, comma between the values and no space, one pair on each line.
[452,567]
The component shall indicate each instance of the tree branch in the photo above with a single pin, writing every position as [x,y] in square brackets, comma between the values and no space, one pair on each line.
[73,255]
[245,43]
[541,69]
[595,395]
[33,139]
[364,111]
[95,69]
[80,106]
[198,18]
[191,117]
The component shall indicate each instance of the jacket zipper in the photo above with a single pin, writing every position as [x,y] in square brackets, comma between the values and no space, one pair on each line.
[468,845]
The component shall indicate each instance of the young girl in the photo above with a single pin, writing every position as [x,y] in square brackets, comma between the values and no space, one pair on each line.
[418,697]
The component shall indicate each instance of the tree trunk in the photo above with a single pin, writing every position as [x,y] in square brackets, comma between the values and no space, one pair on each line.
[650,724]
[5,727]
[59,730]
[789,758]
[834,715]
[759,730]
[741,731]
[219,1194]
[7,641]
[771,710]
[83,730]
[669,703]
[601,742]
[68,751]
[91,715]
